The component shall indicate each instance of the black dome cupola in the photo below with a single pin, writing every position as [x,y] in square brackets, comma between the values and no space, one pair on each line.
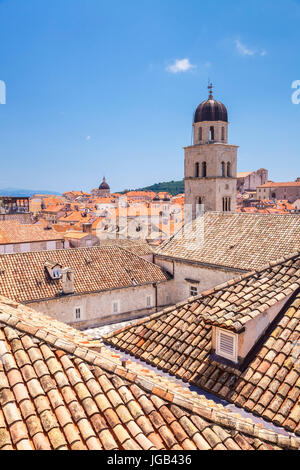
[211,110]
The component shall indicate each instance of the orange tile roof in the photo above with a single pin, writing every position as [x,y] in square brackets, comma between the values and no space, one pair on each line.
[55,208]
[58,395]
[75,216]
[96,269]
[76,235]
[244,174]
[238,240]
[14,232]
[178,340]
[138,247]
[279,185]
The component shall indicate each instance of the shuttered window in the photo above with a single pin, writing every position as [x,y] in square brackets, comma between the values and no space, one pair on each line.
[116,307]
[78,313]
[227,344]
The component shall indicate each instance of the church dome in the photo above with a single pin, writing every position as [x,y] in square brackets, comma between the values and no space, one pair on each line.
[211,110]
[104,185]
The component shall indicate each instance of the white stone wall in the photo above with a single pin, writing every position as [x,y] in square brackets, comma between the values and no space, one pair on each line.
[206,126]
[252,181]
[290,193]
[178,289]
[213,188]
[10,248]
[97,309]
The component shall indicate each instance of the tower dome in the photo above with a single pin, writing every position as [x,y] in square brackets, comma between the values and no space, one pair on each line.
[104,186]
[211,110]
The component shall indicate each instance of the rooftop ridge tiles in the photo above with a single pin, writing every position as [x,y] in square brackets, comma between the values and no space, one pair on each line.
[233,421]
[204,294]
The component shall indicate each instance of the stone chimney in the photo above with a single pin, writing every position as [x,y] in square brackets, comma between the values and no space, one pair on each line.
[87,228]
[67,281]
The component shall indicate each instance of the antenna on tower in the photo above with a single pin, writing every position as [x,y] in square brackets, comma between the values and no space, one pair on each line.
[210,88]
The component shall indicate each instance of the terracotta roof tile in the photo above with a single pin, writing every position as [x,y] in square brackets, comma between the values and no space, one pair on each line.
[180,343]
[51,399]
[241,241]
[23,276]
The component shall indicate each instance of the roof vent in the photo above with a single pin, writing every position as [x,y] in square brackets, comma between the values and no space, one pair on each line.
[227,345]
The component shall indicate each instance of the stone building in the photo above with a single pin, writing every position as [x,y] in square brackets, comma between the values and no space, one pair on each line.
[250,180]
[288,191]
[210,163]
[16,237]
[218,247]
[85,286]
[102,191]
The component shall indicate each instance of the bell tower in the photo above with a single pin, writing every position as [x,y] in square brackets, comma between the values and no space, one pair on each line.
[210,163]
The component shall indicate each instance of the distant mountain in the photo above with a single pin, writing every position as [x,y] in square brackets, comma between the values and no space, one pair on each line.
[15,192]
[172,187]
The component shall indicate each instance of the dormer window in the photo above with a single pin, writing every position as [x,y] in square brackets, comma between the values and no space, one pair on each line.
[227,345]
[53,269]
[57,273]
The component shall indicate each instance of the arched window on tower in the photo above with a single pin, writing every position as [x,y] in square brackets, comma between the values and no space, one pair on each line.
[226,204]
[197,171]
[204,169]
[200,133]
[212,133]
[223,173]
[229,169]
[223,133]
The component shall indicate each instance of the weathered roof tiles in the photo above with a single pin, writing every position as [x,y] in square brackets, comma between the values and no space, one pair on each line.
[179,341]
[56,395]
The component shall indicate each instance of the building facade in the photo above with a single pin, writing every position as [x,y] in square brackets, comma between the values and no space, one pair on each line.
[85,287]
[102,191]
[289,191]
[250,180]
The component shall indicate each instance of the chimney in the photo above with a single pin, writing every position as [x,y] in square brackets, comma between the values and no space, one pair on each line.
[87,228]
[67,281]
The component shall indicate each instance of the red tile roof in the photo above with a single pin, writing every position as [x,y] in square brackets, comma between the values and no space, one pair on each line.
[13,231]
[96,269]
[178,341]
[57,395]
[279,185]
[238,241]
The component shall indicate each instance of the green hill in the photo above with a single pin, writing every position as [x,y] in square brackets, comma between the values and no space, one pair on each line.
[172,187]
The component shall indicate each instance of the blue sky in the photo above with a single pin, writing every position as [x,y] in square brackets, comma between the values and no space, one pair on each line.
[109,88]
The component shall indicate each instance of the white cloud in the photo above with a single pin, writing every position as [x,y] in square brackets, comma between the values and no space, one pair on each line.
[246,51]
[180,65]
